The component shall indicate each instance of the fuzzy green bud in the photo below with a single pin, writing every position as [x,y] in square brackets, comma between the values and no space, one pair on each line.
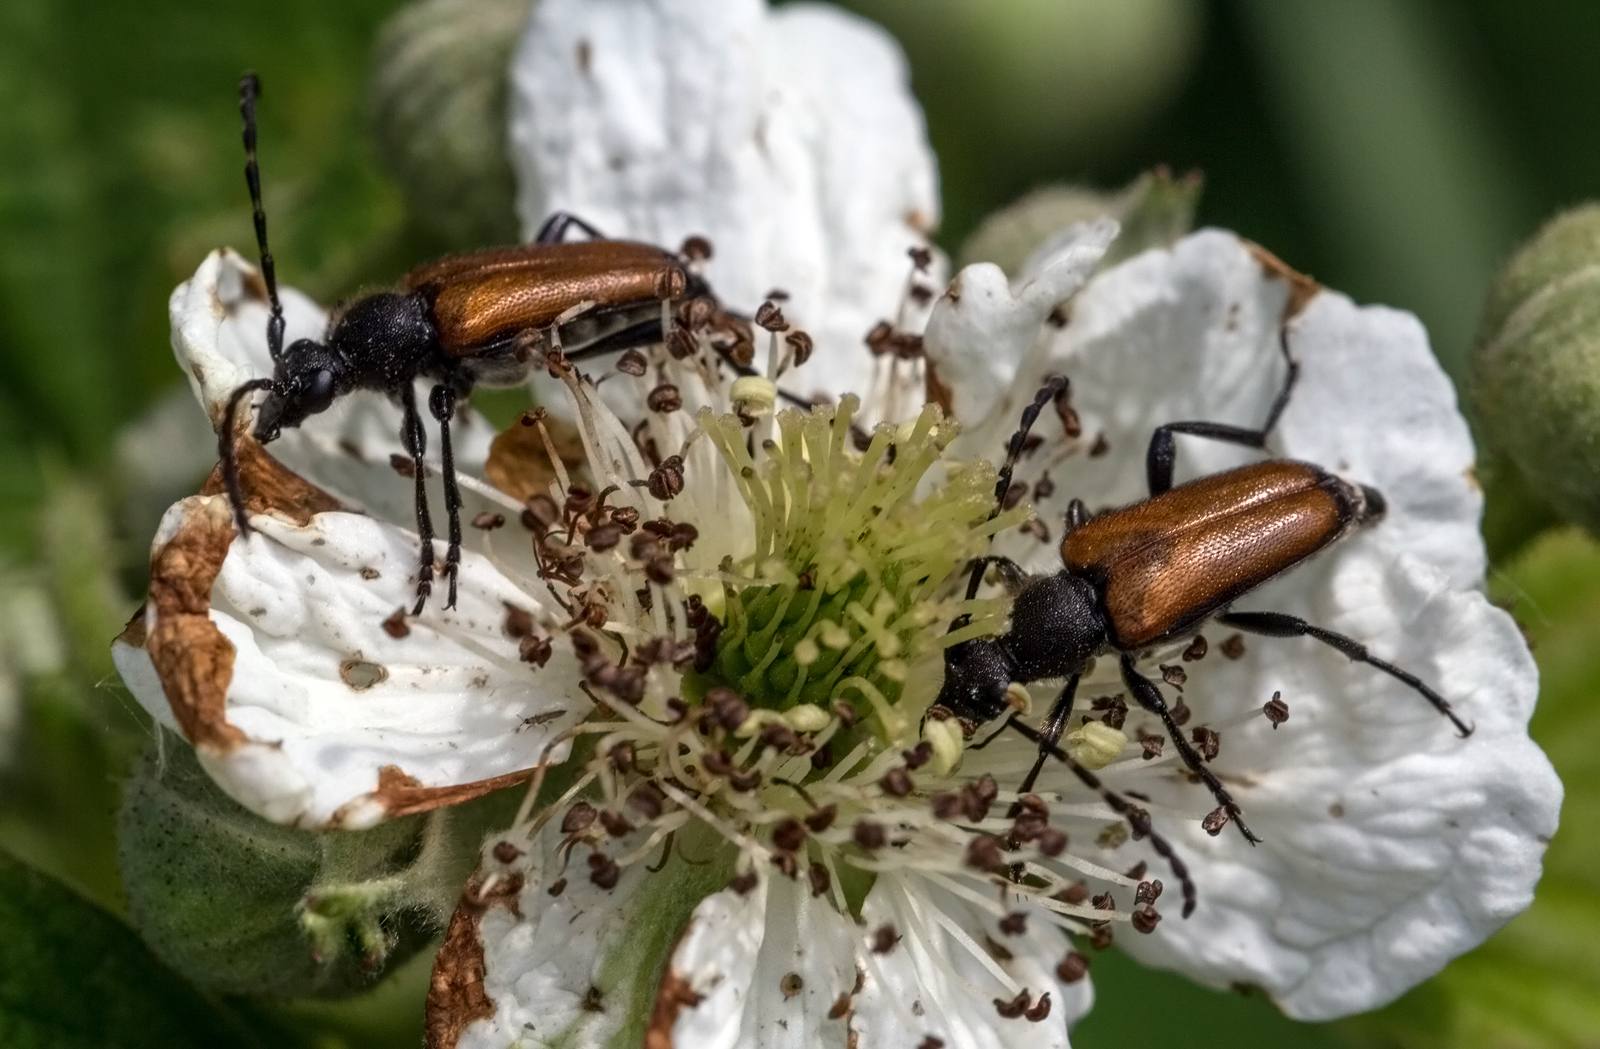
[1534,381]
[243,906]
[439,113]
[1155,210]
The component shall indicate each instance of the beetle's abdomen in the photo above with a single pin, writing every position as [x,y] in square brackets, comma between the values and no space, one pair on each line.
[484,296]
[1169,562]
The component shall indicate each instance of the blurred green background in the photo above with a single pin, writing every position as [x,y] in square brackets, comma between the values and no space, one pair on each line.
[1395,150]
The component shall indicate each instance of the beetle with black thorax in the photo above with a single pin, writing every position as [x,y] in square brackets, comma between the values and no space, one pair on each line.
[461,321]
[1151,574]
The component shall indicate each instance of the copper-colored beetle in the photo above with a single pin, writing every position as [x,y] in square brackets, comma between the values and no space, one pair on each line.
[465,320]
[1152,573]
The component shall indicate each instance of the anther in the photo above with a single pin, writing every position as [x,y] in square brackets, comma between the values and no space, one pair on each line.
[743,883]
[506,852]
[1072,968]
[789,835]
[1181,713]
[488,521]
[845,713]
[800,346]
[1196,649]
[580,817]
[1148,891]
[1104,902]
[822,819]
[869,835]
[633,363]
[729,709]
[1014,1008]
[818,874]
[977,796]
[746,781]
[896,782]
[1100,936]
[1207,741]
[615,823]
[946,805]
[770,317]
[1115,710]
[1039,1010]
[786,863]
[1044,488]
[1233,646]
[931,1042]
[603,870]
[1052,842]
[823,757]
[918,755]
[696,249]
[1216,820]
[1145,919]
[1137,871]
[622,757]
[558,887]
[1014,924]
[648,801]
[1074,894]
[1276,710]
[717,762]
[921,258]
[885,939]
[665,399]
[791,984]
[1175,676]
[1014,495]
[983,853]
[1152,745]
[604,537]
[666,480]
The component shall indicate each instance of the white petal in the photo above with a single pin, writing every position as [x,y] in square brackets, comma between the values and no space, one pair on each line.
[980,331]
[788,137]
[805,938]
[1392,845]
[933,983]
[327,719]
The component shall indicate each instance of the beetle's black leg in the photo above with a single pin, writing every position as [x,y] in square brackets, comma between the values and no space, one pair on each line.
[1011,573]
[415,441]
[1279,624]
[554,229]
[249,91]
[1159,459]
[442,404]
[1137,818]
[1051,728]
[1149,697]
[229,457]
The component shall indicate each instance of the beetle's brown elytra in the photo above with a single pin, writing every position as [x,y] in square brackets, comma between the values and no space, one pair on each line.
[1171,561]
[1152,573]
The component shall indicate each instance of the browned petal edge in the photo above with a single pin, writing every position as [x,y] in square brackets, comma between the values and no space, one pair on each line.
[402,794]
[518,463]
[456,998]
[1302,289]
[133,635]
[937,390]
[192,658]
[271,487]
[674,994]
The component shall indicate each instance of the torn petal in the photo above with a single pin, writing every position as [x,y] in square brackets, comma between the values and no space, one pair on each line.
[305,703]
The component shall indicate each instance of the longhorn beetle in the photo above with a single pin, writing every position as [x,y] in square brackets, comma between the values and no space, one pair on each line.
[1154,572]
[461,321]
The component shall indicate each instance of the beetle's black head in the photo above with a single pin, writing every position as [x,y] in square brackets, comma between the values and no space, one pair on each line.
[976,674]
[309,376]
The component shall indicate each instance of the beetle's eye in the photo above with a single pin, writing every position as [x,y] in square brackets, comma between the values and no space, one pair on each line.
[320,393]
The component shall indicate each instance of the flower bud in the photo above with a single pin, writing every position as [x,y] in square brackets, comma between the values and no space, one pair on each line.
[243,906]
[1534,381]
[438,98]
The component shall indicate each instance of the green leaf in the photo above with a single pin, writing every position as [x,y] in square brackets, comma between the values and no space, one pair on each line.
[71,975]
[1536,984]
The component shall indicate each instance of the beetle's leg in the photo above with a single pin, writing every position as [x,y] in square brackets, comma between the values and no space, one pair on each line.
[1011,573]
[1137,818]
[1149,697]
[1159,459]
[442,403]
[1050,730]
[1279,624]
[554,229]
[249,91]
[415,442]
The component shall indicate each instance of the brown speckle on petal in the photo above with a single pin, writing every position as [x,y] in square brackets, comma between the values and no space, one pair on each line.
[401,794]
[362,674]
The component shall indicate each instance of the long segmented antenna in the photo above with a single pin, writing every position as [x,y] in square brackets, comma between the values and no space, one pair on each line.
[229,457]
[249,91]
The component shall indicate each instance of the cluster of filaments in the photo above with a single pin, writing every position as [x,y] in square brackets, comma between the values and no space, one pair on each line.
[777,700]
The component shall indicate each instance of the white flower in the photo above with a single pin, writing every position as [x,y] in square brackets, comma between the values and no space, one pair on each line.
[788,137]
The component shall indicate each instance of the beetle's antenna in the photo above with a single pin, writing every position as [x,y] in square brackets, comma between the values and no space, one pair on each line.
[1137,818]
[249,91]
[229,455]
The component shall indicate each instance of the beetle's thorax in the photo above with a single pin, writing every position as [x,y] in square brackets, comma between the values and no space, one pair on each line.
[1056,626]
[384,340]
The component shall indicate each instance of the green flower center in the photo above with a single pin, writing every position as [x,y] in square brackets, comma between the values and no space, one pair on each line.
[845,591]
